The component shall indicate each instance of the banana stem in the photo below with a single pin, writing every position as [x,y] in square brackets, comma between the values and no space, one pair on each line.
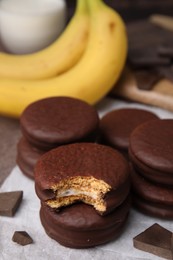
[81,6]
[94,4]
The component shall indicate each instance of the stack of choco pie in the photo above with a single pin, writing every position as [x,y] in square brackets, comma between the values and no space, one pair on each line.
[52,122]
[84,193]
[83,186]
[151,154]
[147,142]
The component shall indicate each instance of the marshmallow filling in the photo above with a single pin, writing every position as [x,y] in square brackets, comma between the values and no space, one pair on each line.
[86,189]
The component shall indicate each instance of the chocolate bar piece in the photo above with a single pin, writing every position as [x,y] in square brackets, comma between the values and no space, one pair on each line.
[147,58]
[166,50]
[146,79]
[144,35]
[155,240]
[148,44]
[22,238]
[9,202]
[166,72]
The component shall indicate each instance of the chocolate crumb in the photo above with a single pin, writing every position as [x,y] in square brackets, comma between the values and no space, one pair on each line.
[9,202]
[22,238]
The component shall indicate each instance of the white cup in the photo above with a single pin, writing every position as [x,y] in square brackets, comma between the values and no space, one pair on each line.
[27,26]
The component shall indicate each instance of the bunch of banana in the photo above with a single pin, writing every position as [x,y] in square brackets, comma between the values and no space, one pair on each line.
[89,79]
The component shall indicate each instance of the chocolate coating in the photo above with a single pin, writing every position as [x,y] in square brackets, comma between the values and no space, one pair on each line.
[153,208]
[117,125]
[27,157]
[86,160]
[54,121]
[150,191]
[79,226]
[151,150]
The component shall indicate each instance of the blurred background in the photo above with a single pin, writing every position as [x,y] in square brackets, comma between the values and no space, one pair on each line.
[134,9]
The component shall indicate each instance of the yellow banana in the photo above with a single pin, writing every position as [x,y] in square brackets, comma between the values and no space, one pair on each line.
[90,79]
[56,58]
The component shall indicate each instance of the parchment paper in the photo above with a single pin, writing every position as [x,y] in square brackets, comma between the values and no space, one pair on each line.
[27,218]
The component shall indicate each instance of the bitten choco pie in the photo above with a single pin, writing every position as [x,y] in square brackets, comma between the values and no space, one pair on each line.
[94,174]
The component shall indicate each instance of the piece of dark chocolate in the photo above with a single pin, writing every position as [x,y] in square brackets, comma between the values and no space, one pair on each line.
[22,238]
[155,240]
[146,79]
[9,202]
[166,72]
[145,40]
[140,58]
[144,35]
[166,50]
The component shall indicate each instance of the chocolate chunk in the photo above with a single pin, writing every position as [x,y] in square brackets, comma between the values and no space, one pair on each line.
[146,79]
[9,202]
[166,72]
[166,50]
[144,35]
[145,40]
[155,240]
[135,28]
[140,58]
[22,238]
